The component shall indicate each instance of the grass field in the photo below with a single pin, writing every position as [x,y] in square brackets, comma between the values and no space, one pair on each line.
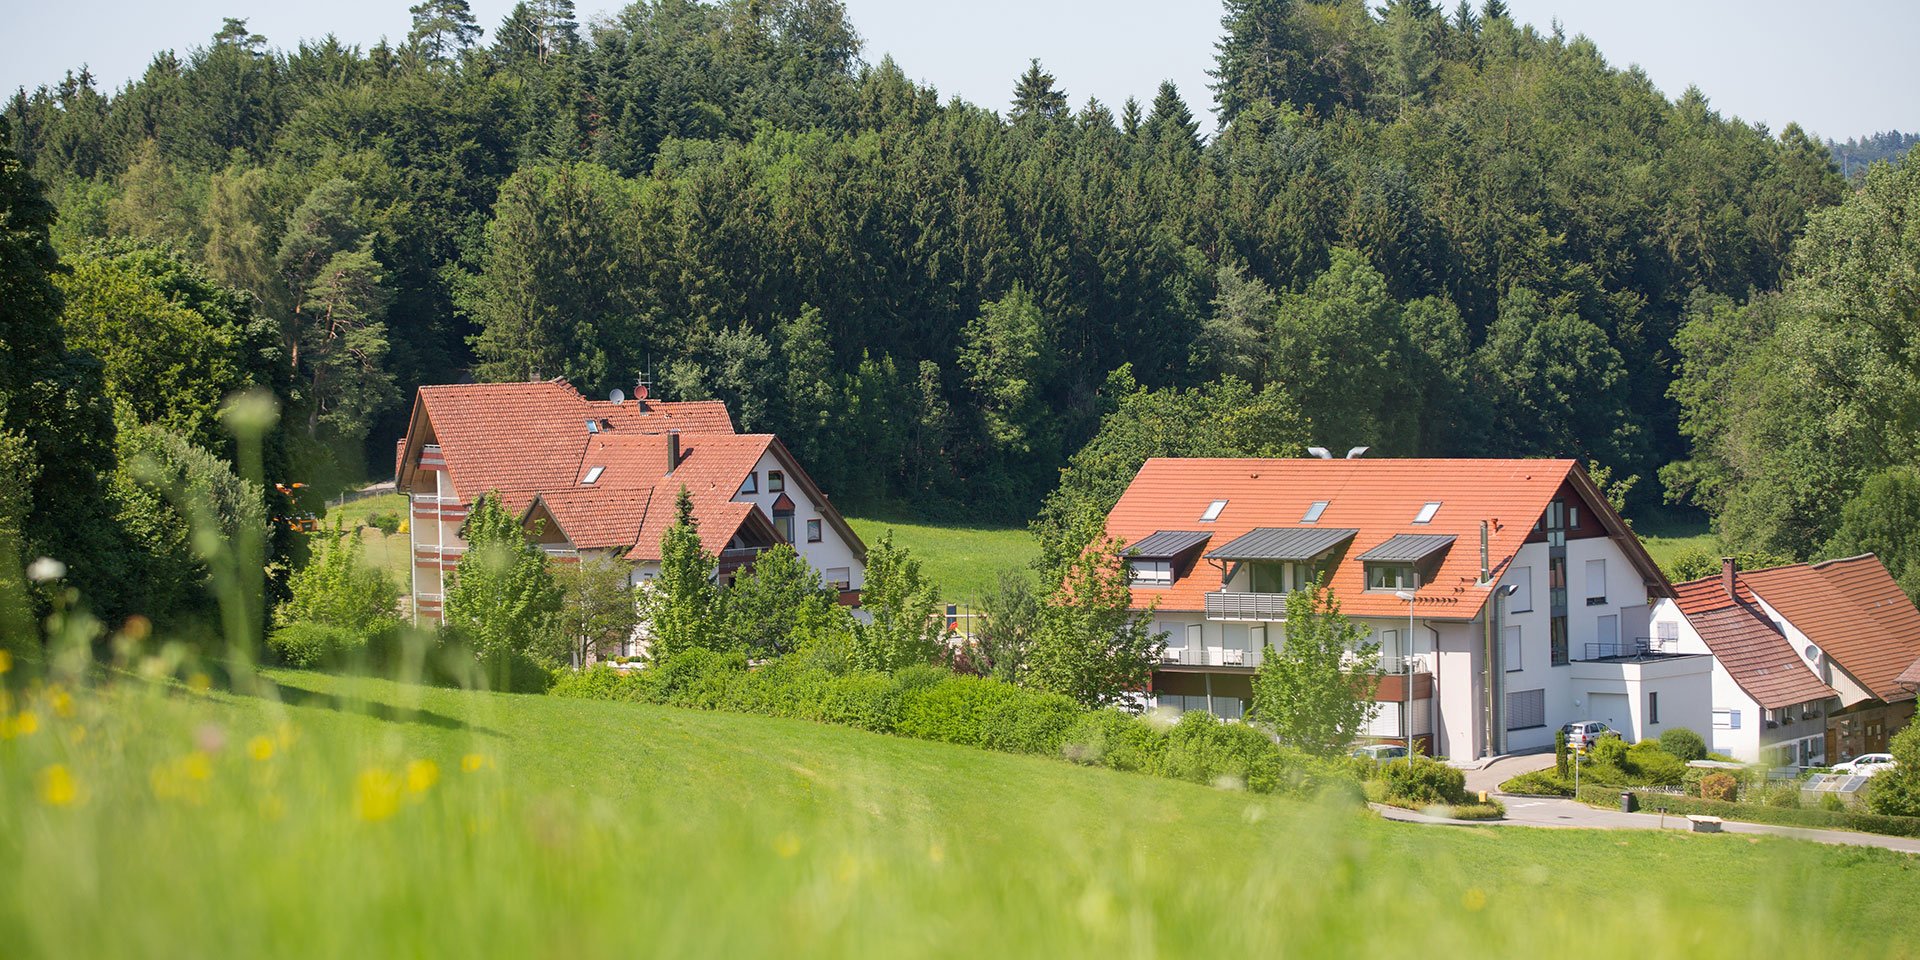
[333,816]
[965,561]
[389,552]
[1666,538]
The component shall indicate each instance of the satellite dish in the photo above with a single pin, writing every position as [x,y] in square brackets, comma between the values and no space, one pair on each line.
[618,395]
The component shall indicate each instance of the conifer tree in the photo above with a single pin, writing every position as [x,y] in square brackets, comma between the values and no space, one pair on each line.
[443,29]
[1034,96]
[679,607]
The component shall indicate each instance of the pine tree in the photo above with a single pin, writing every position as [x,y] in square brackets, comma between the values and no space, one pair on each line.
[342,349]
[443,29]
[680,607]
[1258,58]
[1170,122]
[1034,97]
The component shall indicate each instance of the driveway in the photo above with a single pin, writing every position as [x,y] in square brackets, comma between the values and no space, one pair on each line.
[1550,813]
[1490,777]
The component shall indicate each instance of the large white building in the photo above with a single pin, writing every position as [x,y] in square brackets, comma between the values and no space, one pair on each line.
[603,477]
[1506,596]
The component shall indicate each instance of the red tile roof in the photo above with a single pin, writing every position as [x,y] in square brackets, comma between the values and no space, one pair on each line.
[517,438]
[1854,611]
[1910,677]
[1380,498]
[1744,639]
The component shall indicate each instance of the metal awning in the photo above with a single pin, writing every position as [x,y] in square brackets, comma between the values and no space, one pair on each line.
[1282,543]
[1409,547]
[1167,544]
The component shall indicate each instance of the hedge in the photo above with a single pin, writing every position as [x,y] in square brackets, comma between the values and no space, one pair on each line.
[1810,817]
[930,703]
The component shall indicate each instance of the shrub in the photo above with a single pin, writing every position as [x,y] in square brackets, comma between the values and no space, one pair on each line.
[1831,801]
[1120,741]
[1760,813]
[1786,795]
[1491,810]
[986,713]
[1719,786]
[601,682]
[1545,783]
[309,644]
[1649,762]
[1424,780]
[1205,750]
[1610,751]
[1896,792]
[1683,744]
[1560,760]
[387,523]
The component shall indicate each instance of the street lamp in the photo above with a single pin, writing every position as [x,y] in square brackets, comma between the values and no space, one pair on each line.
[1406,657]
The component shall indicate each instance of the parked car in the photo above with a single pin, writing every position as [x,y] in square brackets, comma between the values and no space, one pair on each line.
[1866,764]
[1380,752]
[1583,734]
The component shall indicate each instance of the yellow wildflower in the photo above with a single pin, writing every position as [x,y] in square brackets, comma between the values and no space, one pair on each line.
[474,762]
[1475,900]
[199,683]
[260,748]
[6,661]
[196,766]
[422,775]
[77,734]
[57,787]
[62,702]
[376,795]
[786,845]
[25,724]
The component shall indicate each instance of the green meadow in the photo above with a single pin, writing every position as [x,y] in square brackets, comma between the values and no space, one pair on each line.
[327,816]
[966,561]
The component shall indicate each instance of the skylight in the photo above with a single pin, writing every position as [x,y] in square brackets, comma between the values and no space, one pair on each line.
[592,474]
[1314,511]
[1213,510]
[593,426]
[1427,512]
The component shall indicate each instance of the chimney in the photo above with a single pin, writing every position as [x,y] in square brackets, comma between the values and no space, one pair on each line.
[1486,557]
[1727,568]
[673,451]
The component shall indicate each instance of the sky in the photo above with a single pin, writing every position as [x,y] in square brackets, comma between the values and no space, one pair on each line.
[1767,61]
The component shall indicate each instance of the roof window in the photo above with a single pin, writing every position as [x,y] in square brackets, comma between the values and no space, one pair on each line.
[593,473]
[1314,511]
[1213,511]
[593,426]
[1427,512]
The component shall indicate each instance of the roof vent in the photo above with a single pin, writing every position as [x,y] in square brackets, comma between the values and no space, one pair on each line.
[1357,452]
[1321,452]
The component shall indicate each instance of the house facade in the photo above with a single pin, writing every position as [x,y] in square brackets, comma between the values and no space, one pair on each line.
[1810,658]
[602,477]
[1506,597]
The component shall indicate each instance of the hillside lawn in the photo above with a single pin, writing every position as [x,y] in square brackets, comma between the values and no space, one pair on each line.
[354,817]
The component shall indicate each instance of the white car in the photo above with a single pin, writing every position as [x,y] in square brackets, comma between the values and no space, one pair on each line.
[1866,764]
[1380,752]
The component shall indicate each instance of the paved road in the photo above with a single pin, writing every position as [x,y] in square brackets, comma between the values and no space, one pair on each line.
[1533,812]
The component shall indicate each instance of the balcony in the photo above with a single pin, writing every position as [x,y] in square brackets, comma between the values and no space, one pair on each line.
[1227,657]
[737,558]
[1638,648]
[1264,607]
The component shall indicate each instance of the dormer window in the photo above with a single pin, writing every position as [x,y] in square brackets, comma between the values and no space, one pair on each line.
[593,473]
[1314,510]
[1150,573]
[1213,511]
[1390,576]
[1427,512]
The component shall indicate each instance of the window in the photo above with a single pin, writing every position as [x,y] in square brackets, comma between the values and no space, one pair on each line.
[839,577]
[1150,573]
[813,531]
[1726,719]
[1314,511]
[784,524]
[1522,600]
[1653,707]
[1257,636]
[1390,653]
[1267,577]
[1668,631]
[593,473]
[1596,583]
[1557,640]
[1427,512]
[1213,511]
[776,481]
[752,483]
[1573,518]
[1390,576]
[1526,709]
[1194,636]
[1511,649]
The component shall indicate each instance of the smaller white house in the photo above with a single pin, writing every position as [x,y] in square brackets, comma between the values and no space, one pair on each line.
[1767,703]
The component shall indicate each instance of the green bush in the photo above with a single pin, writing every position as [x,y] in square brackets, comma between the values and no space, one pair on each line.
[1684,744]
[1609,751]
[1424,780]
[1491,810]
[987,713]
[308,644]
[1120,741]
[1561,758]
[1543,783]
[602,682]
[1649,763]
[387,523]
[1202,749]
[1785,795]
[1896,792]
[1832,801]
[1719,786]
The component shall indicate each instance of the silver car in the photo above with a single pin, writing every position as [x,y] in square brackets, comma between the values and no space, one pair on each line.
[1866,764]
[1583,734]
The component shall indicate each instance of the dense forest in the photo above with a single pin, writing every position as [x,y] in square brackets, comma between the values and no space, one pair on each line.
[1429,232]
[1857,154]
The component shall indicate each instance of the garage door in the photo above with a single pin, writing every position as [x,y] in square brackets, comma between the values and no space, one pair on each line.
[1611,709]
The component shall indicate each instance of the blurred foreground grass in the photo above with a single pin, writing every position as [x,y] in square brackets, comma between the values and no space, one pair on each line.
[353,817]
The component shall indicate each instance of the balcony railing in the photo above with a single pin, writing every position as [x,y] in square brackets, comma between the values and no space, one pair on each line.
[1269,607]
[1209,657]
[1636,647]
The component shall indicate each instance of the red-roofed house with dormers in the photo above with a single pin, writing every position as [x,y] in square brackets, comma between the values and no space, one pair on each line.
[1812,658]
[1507,597]
[603,477]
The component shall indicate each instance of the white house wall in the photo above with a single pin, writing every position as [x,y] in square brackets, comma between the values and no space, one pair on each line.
[833,551]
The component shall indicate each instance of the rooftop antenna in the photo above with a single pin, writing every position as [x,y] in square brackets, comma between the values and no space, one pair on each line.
[1321,452]
[1357,452]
